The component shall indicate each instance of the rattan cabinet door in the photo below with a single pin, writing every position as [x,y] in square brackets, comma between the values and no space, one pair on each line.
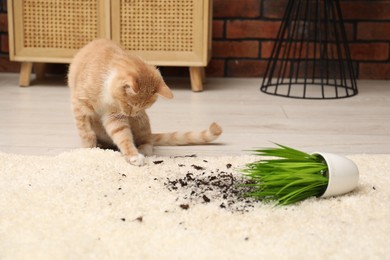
[164,32]
[53,30]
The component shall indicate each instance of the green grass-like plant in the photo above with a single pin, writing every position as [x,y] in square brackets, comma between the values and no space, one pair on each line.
[287,177]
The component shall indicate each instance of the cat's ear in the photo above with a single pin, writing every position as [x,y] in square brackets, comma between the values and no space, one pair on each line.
[131,87]
[164,91]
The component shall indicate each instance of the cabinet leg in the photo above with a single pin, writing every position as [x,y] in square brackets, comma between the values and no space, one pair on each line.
[197,78]
[40,70]
[25,74]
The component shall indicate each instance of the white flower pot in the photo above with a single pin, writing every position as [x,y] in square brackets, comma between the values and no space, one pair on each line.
[343,174]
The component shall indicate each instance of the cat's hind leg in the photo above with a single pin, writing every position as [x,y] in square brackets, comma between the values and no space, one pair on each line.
[83,120]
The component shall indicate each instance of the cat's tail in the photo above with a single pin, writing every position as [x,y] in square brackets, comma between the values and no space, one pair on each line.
[188,138]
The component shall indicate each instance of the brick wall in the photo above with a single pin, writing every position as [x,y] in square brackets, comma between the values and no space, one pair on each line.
[3,26]
[244,31]
[5,64]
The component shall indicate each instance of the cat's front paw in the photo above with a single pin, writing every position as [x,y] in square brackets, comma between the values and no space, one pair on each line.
[137,160]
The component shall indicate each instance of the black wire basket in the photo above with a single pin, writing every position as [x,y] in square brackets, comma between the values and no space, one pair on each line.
[311,57]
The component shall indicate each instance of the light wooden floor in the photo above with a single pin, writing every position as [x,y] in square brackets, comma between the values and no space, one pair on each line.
[37,120]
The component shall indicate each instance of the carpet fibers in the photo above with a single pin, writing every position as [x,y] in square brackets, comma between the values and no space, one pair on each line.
[89,203]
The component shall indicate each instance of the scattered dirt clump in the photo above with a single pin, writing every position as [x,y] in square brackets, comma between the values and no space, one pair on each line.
[202,185]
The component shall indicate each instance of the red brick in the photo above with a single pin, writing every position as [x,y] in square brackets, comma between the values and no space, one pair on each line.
[350,30]
[266,49]
[362,10]
[239,29]
[369,51]
[375,10]
[274,9]
[235,49]
[3,23]
[295,50]
[218,29]
[373,31]
[4,43]
[246,68]
[216,68]
[374,71]
[8,66]
[359,51]
[236,8]
[244,29]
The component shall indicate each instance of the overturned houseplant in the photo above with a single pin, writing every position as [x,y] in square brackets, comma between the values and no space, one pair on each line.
[288,175]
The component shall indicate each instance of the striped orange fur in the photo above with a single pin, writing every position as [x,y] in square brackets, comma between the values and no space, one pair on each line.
[110,91]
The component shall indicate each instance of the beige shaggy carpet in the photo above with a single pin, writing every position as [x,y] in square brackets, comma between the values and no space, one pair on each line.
[91,204]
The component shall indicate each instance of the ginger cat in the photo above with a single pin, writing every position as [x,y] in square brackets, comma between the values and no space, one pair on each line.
[110,91]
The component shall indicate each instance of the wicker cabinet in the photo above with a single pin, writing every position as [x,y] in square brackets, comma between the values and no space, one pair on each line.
[163,32]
